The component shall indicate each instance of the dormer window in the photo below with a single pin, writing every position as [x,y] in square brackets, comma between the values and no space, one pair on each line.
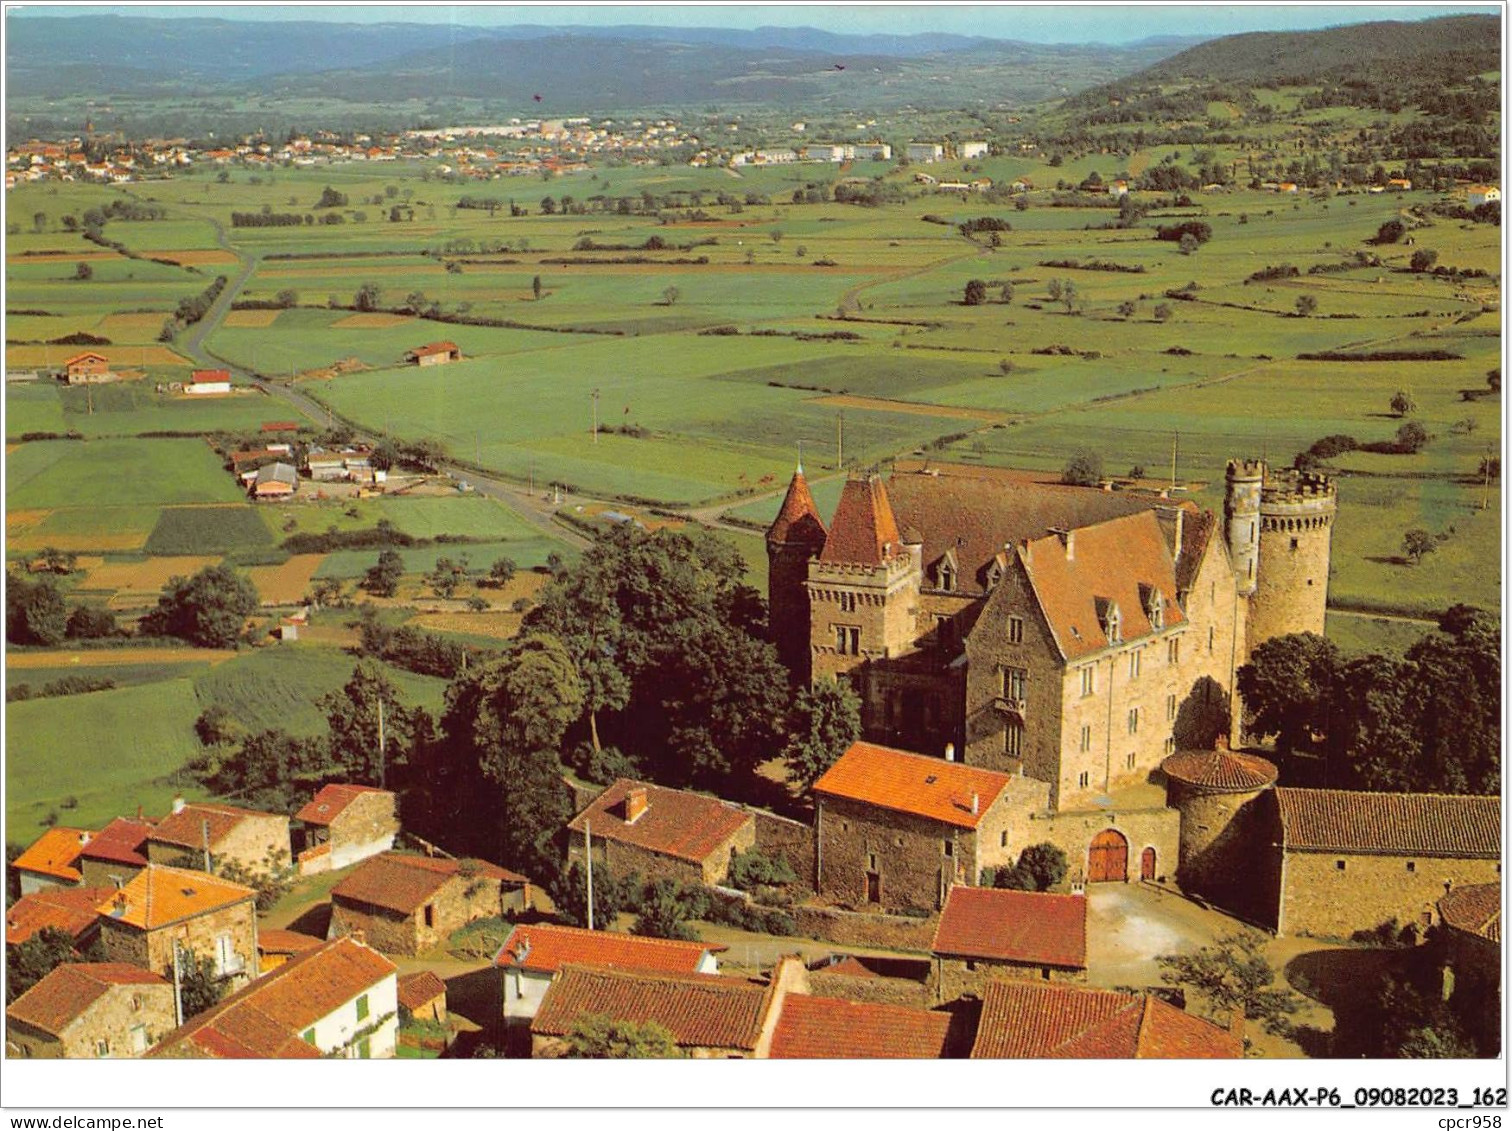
[1154,606]
[1110,619]
[945,572]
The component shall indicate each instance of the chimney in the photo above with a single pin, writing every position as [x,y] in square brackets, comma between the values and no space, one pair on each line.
[635,804]
[178,803]
[976,804]
[84,838]
[1172,523]
[950,752]
[1068,540]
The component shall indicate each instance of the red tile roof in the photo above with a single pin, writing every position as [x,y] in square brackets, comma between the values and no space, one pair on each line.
[276,940]
[331,801]
[1029,927]
[798,520]
[404,883]
[1111,563]
[1475,908]
[78,357]
[209,376]
[68,909]
[545,948]
[419,988]
[913,783]
[821,1028]
[159,895]
[53,854]
[186,828]
[431,348]
[1221,770]
[1398,824]
[122,841]
[266,1018]
[68,991]
[676,823]
[281,426]
[1031,1019]
[699,1010]
[864,530]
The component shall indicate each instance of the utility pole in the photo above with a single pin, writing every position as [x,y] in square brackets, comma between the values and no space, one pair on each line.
[178,987]
[588,856]
[382,751]
[1175,440]
[595,415]
[1486,480]
[205,840]
[839,441]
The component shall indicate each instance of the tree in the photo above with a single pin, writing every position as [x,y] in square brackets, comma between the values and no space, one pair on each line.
[1234,975]
[1390,232]
[200,988]
[1402,403]
[976,293]
[446,577]
[1162,312]
[287,297]
[84,272]
[535,287]
[670,295]
[1423,259]
[1043,865]
[502,572]
[91,622]
[1005,293]
[568,888]
[29,962]
[1068,295]
[1053,289]
[1306,305]
[824,721]
[1288,688]
[352,714]
[35,612]
[1417,543]
[1411,438]
[753,869]
[1127,308]
[1188,243]
[39,221]
[1083,470]
[382,578]
[330,198]
[597,1036]
[1493,379]
[368,297]
[209,609]
[666,909]
[385,454]
[271,881]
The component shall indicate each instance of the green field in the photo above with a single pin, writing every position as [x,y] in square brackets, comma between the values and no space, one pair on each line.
[208,530]
[116,473]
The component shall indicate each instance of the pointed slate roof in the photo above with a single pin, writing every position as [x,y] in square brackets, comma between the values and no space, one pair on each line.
[864,530]
[798,520]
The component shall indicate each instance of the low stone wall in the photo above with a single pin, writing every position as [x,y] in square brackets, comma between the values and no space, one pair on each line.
[860,928]
[884,991]
[794,840]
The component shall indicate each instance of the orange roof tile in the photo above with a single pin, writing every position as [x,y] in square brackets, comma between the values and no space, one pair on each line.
[431,348]
[90,356]
[53,854]
[546,947]
[1031,1019]
[186,828]
[1221,770]
[1404,824]
[276,940]
[159,895]
[68,909]
[821,1028]
[1476,909]
[68,991]
[699,1010]
[1113,563]
[120,842]
[1035,928]
[403,883]
[864,530]
[676,823]
[265,1019]
[798,520]
[209,376]
[913,783]
[331,801]
[419,988]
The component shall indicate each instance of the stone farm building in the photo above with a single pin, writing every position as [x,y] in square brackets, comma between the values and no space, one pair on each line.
[1029,1019]
[339,1000]
[87,368]
[422,997]
[72,910]
[90,1010]
[404,904]
[344,824]
[116,853]
[533,953]
[51,860]
[985,933]
[1342,861]
[824,1028]
[434,353]
[275,946]
[661,833]
[166,910]
[248,838]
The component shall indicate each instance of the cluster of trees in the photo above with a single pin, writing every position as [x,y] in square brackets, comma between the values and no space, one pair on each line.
[1425,722]
[36,613]
[271,219]
[209,610]
[191,309]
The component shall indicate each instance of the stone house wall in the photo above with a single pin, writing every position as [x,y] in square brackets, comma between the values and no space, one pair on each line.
[1475,990]
[105,873]
[128,1019]
[793,840]
[1072,831]
[251,843]
[153,950]
[951,978]
[366,827]
[1318,897]
[458,902]
[622,859]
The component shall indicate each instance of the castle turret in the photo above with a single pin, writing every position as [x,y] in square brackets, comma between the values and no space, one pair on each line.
[1215,791]
[1296,535]
[1241,519]
[794,539]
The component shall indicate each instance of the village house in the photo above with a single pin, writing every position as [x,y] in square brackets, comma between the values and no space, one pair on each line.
[661,833]
[116,853]
[167,913]
[208,382]
[895,830]
[1028,1019]
[340,1000]
[276,945]
[1470,941]
[275,481]
[344,824]
[67,909]
[925,153]
[210,836]
[90,1010]
[1400,184]
[1476,195]
[985,933]
[87,368]
[970,150]
[1344,861]
[405,904]
[533,953]
[434,353]
[422,997]
[50,860]
[826,1028]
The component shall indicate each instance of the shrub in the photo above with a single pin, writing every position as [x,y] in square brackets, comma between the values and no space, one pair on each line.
[1083,470]
[753,868]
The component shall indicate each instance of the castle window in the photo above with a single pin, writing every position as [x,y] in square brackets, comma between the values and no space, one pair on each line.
[1170,746]
[1013,740]
[1086,739]
[1003,839]
[102,1047]
[1088,680]
[1112,622]
[947,577]
[1082,779]
[1134,663]
[1340,865]
[949,848]
[1015,683]
[1211,632]
[847,602]
[1295,543]
[847,640]
[1412,865]
[1129,762]
[1015,630]
[1173,650]
[1133,720]
[1170,708]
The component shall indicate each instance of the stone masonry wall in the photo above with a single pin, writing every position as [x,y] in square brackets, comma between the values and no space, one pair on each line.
[113,1017]
[951,978]
[909,853]
[369,819]
[1319,898]
[1072,833]
[153,950]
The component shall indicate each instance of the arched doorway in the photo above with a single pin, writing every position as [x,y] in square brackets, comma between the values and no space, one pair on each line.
[1147,865]
[1108,858]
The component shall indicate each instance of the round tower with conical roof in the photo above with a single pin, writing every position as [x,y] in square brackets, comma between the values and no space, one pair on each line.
[1215,791]
[794,539]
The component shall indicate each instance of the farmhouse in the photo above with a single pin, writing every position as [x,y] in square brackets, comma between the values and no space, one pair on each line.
[205,382]
[1399,184]
[434,353]
[87,368]
[224,834]
[973,149]
[50,860]
[1477,195]
[823,1028]
[925,153]
[422,997]
[661,833]
[339,1000]
[164,912]
[985,933]
[275,481]
[897,830]
[1343,861]
[343,824]
[405,904]
[116,853]
[65,909]
[1028,1019]
[532,955]
[90,1010]
[275,946]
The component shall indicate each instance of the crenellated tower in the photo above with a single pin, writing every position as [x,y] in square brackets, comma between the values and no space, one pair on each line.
[795,538]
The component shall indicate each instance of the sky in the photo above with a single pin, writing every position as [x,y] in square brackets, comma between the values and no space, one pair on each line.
[1056,22]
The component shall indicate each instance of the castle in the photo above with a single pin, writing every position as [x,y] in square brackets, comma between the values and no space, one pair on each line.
[1076,636]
